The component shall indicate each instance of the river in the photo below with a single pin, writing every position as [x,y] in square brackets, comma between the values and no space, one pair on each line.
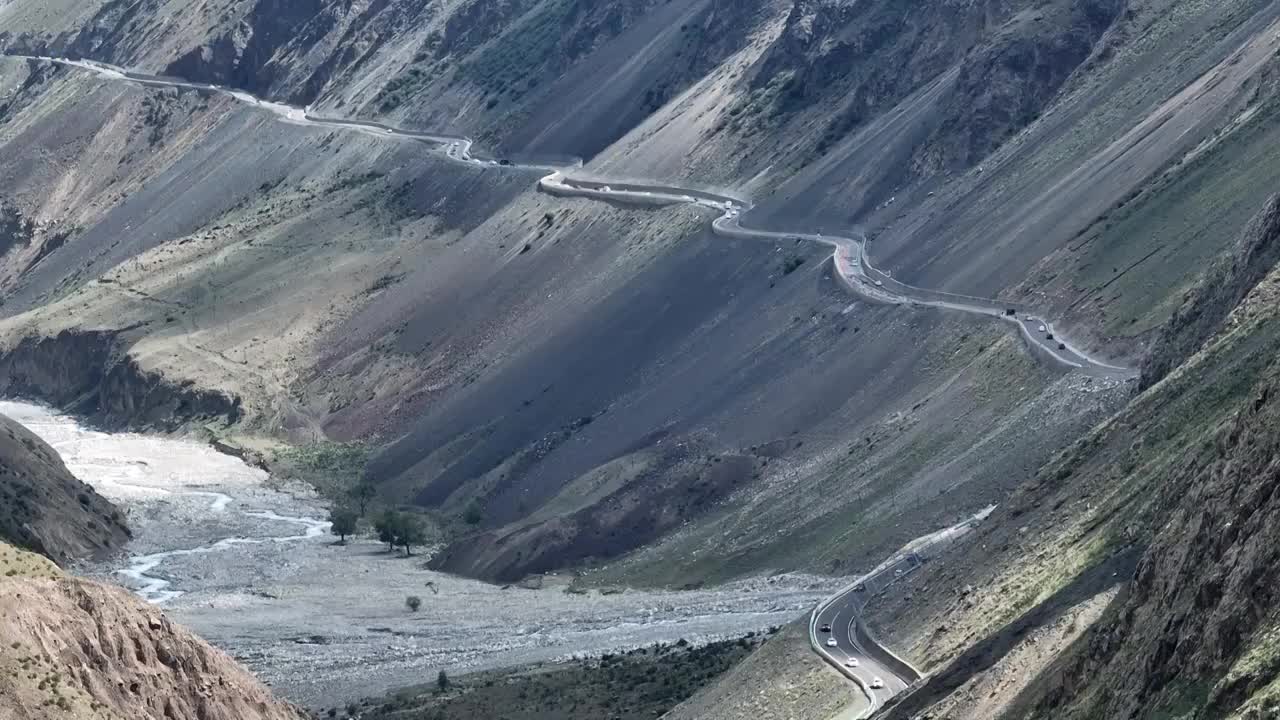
[254,570]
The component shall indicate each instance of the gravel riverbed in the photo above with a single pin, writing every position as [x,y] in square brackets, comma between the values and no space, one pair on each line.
[254,571]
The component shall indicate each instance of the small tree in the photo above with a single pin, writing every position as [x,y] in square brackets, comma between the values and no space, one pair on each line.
[413,602]
[410,532]
[344,522]
[362,493]
[388,527]
[442,681]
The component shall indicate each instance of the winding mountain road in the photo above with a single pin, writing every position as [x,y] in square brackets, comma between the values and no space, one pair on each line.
[854,651]
[839,635]
[851,263]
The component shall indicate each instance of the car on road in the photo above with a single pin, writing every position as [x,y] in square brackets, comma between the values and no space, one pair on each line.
[879,284]
[387,131]
[851,662]
[876,683]
[1042,328]
[831,642]
[825,628]
[1028,319]
[1049,336]
[1062,346]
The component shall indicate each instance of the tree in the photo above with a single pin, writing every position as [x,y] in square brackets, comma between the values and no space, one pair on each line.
[442,681]
[410,532]
[344,522]
[362,493]
[473,514]
[413,602]
[388,526]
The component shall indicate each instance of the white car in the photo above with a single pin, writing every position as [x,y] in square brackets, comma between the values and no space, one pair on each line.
[1042,328]
[879,284]
[851,662]
[876,683]
[831,642]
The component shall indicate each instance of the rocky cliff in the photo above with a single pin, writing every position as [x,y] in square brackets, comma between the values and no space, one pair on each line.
[1196,633]
[44,507]
[90,375]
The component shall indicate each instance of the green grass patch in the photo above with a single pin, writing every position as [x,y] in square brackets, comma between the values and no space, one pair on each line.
[332,468]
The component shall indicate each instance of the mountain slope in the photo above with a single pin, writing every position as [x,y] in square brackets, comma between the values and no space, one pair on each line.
[547,366]
[1128,578]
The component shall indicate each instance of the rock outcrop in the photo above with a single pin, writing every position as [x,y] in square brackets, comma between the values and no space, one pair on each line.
[45,508]
[1197,626]
[73,648]
[90,374]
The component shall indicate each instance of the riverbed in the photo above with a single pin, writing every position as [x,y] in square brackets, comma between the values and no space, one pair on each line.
[255,571]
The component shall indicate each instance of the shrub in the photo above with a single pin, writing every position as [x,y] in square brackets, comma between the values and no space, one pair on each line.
[413,602]
[792,264]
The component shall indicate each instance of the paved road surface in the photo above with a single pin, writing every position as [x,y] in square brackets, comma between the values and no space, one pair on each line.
[842,614]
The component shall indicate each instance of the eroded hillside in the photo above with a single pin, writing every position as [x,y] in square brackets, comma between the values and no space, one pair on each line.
[76,649]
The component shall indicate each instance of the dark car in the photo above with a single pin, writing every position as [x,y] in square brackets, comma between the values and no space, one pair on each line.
[1011,312]
[1049,336]
[825,628]
[1062,346]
